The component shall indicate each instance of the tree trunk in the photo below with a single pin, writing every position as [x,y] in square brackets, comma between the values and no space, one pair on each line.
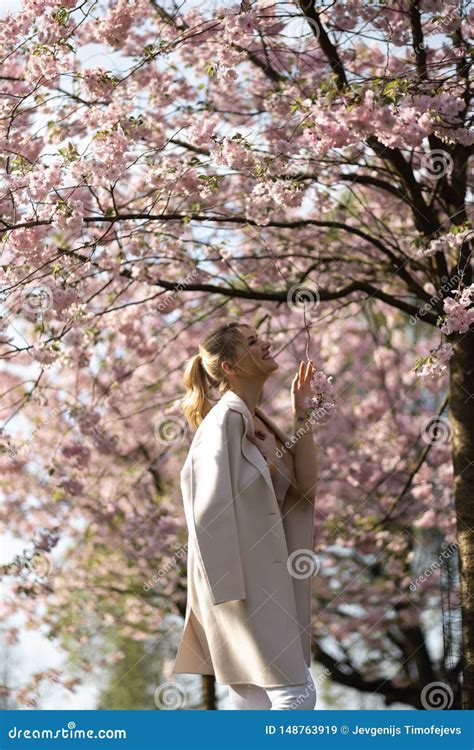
[462,438]
[208,692]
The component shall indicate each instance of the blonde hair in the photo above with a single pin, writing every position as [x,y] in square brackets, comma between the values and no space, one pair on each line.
[204,371]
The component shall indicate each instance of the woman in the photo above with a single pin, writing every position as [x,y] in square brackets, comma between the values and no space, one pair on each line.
[248,495]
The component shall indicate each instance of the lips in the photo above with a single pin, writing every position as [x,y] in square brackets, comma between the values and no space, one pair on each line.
[267,356]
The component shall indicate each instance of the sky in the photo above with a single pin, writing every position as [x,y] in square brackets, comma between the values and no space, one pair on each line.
[6,6]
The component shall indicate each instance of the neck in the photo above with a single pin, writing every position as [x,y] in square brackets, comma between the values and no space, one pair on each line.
[249,392]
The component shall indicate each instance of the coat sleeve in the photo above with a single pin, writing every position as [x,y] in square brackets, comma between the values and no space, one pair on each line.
[213,465]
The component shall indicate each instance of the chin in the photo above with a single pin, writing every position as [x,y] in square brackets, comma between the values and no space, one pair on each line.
[272,364]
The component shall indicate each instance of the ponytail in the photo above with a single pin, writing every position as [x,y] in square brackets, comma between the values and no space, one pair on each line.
[204,370]
[196,403]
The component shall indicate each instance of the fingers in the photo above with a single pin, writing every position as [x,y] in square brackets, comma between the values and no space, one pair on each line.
[301,374]
[305,371]
[258,435]
[304,374]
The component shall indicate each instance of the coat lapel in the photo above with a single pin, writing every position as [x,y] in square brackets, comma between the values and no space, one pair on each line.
[250,451]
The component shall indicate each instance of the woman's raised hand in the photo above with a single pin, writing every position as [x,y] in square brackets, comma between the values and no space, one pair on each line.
[301,390]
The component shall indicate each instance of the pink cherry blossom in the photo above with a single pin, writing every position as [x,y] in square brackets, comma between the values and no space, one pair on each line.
[459,317]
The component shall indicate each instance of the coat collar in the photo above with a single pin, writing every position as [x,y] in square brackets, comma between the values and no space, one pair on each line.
[232,401]
[235,402]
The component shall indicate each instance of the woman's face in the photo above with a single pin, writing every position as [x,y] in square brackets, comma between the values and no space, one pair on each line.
[253,357]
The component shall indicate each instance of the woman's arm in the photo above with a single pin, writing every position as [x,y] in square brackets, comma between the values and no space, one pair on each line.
[304,448]
[211,498]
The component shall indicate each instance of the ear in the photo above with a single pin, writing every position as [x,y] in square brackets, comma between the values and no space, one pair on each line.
[227,368]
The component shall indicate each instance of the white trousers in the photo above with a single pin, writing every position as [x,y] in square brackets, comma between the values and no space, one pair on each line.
[288,697]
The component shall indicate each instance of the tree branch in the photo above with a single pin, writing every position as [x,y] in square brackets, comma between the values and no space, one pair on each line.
[418,43]
[353,679]
[307,6]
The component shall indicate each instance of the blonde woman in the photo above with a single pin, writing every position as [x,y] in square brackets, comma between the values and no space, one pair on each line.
[248,495]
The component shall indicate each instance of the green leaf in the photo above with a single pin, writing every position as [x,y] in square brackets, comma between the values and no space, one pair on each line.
[61,16]
[210,67]
[149,50]
[69,153]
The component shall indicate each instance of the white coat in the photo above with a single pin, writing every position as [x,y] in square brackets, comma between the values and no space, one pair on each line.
[247,616]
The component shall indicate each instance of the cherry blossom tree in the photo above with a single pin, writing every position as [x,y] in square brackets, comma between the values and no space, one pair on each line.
[259,160]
